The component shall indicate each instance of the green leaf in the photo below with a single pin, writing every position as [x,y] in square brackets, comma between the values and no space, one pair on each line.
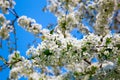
[108,41]
[14,58]
[51,32]
[40,79]
[118,45]
[76,73]
[10,66]
[118,60]
[108,49]
[17,55]
[69,46]
[84,49]
[74,52]
[88,43]
[63,25]
[47,52]
[92,70]
[118,5]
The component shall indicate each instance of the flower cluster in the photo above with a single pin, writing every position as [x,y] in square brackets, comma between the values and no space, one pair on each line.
[55,51]
[29,24]
[69,13]
[105,11]
[5,4]
[60,7]
[5,27]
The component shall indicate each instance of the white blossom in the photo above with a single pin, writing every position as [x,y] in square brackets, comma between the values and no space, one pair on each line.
[30,24]
[5,4]
[108,65]
[2,19]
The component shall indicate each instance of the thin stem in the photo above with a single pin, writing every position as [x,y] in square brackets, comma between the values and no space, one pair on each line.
[0,43]
[15,37]
[8,45]
[13,22]
[13,12]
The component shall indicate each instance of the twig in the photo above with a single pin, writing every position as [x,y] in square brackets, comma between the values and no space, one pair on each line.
[13,12]
[16,17]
